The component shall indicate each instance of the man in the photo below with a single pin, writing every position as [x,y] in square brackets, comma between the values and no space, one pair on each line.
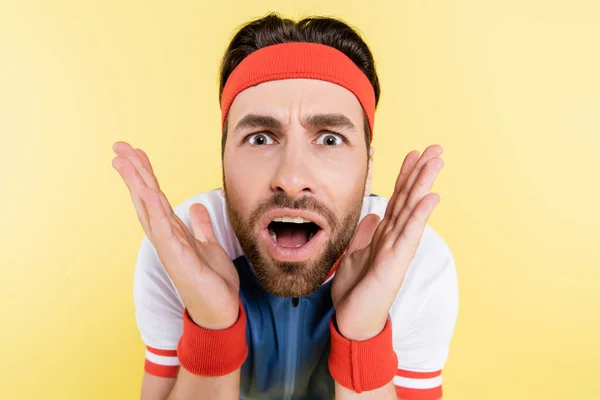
[270,288]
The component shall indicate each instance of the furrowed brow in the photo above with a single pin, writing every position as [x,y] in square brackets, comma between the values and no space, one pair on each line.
[252,121]
[330,121]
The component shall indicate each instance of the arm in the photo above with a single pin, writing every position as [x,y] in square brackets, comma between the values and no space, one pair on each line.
[159,315]
[421,345]
[368,280]
[156,387]
[386,392]
[190,386]
[181,271]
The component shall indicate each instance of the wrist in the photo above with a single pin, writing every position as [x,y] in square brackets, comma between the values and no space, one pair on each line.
[209,352]
[213,324]
[357,330]
[362,365]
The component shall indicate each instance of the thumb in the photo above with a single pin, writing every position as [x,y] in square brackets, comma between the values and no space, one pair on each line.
[364,233]
[201,226]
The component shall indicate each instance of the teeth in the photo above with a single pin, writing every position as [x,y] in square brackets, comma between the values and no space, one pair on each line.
[311,236]
[294,220]
[274,236]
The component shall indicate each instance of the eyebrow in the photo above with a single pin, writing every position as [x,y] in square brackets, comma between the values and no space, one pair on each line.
[252,121]
[339,121]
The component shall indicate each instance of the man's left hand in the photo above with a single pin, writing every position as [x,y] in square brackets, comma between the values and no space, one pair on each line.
[374,266]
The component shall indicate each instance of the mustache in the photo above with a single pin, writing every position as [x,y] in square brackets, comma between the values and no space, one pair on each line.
[282,200]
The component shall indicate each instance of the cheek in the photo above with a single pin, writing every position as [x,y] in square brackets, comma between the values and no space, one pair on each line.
[342,178]
[245,180]
[344,172]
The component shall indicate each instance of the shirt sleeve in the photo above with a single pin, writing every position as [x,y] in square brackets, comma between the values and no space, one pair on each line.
[422,334]
[158,312]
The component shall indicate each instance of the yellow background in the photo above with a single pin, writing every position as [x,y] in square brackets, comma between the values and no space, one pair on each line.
[511,89]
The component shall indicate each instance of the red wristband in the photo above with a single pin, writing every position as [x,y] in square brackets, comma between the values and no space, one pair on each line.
[362,365]
[207,352]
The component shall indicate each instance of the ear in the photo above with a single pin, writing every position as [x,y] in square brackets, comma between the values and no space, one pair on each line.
[369,172]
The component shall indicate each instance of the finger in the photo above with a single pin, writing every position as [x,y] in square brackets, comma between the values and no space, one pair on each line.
[159,218]
[402,186]
[364,233]
[145,171]
[407,243]
[201,225]
[403,190]
[419,190]
[134,185]
[125,149]
[407,166]
[166,204]
[146,163]
[145,160]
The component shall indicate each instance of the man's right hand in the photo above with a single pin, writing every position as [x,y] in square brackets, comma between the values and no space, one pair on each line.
[199,267]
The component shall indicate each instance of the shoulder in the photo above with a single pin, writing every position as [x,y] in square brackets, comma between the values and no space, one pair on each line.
[430,279]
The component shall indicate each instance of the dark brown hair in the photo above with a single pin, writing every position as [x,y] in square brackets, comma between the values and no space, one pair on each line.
[273,29]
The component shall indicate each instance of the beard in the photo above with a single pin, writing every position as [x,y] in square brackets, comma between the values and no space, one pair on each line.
[295,279]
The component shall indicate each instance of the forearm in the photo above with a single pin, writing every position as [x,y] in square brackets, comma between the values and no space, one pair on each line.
[206,365]
[191,387]
[387,392]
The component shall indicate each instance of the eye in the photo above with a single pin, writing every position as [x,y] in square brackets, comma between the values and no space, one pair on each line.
[259,139]
[330,139]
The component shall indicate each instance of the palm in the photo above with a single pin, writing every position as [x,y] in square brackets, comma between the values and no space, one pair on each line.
[373,269]
[363,285]
[199,267]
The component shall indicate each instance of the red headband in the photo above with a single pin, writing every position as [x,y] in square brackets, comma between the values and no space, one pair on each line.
[295,60]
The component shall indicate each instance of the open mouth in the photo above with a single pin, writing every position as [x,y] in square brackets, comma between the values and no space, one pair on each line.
[292,232]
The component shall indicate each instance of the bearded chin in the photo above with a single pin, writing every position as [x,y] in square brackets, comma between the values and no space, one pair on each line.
[294,279]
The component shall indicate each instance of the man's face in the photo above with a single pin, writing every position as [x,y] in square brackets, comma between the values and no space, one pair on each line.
[295,172]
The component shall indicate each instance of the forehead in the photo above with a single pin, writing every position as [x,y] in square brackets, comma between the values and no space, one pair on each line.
[287,98]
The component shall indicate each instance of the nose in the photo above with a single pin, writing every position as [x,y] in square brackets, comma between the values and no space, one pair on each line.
[293,175]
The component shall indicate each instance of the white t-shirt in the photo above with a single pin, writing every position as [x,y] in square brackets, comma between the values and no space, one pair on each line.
[423,314]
